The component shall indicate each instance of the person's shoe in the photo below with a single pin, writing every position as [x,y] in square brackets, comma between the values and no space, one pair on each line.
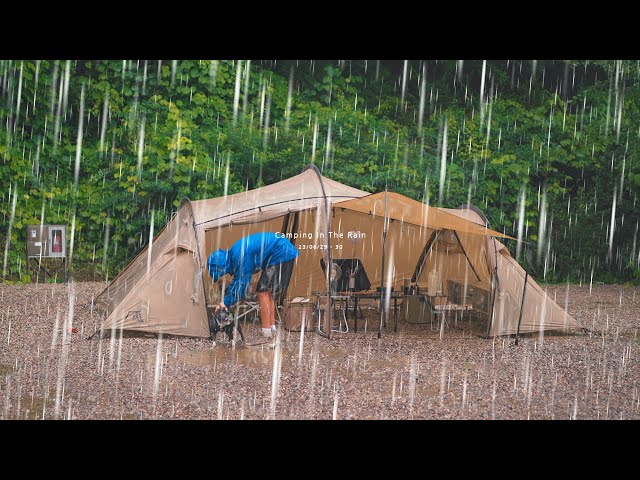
[264,338]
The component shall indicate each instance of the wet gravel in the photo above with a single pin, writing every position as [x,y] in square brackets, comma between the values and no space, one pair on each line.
[49,370]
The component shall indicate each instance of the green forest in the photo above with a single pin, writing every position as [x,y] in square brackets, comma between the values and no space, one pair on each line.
[549,150]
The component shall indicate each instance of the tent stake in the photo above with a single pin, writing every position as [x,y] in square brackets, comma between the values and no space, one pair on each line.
[524,294]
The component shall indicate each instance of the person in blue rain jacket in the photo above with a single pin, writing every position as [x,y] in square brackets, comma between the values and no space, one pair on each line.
[268,252]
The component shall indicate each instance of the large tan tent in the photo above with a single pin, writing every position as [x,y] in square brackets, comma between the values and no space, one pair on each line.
[166,288]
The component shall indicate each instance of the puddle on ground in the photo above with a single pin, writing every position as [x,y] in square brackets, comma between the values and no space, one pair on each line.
[350,363]
[6,370]
[469,366]
[383,363]
[255,357]
[262,357]
[427,393]
[627,335]
[333,353]
[30,409]
[130,416]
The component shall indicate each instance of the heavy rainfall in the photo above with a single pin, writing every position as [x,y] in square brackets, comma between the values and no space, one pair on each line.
[107,150]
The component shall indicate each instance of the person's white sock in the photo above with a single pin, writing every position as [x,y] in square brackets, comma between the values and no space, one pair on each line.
[266,332]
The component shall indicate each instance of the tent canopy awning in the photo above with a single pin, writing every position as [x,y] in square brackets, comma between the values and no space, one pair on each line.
[411,211]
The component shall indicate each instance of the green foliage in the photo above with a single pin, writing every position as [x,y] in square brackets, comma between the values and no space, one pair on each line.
[564,130]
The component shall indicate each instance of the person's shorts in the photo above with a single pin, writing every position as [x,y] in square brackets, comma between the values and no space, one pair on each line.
[276,278]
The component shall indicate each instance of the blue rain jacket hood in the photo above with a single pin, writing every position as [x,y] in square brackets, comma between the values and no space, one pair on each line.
[247,256]
[218,264]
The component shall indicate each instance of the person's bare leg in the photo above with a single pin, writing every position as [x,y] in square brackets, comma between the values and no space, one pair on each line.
[267,313]
[272,313]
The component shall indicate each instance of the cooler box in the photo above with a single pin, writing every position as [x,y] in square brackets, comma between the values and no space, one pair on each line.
[417,309]
[295,312]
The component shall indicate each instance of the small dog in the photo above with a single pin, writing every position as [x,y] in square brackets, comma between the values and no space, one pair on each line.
[223,321]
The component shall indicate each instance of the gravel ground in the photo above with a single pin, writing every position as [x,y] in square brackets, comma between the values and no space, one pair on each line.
[49,370]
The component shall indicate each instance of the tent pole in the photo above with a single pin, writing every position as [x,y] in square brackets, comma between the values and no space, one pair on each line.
[289,225]
[330,258]
[329,253]
[524,294]
[294,229]
[465,254]
[201,266]
[494,287]
[344,197]
[425,253]
[384,248]
[285,224]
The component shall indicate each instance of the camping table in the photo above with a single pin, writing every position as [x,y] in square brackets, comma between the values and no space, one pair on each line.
[357,296]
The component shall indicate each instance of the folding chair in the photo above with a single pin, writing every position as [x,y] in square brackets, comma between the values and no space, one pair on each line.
[250,306]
